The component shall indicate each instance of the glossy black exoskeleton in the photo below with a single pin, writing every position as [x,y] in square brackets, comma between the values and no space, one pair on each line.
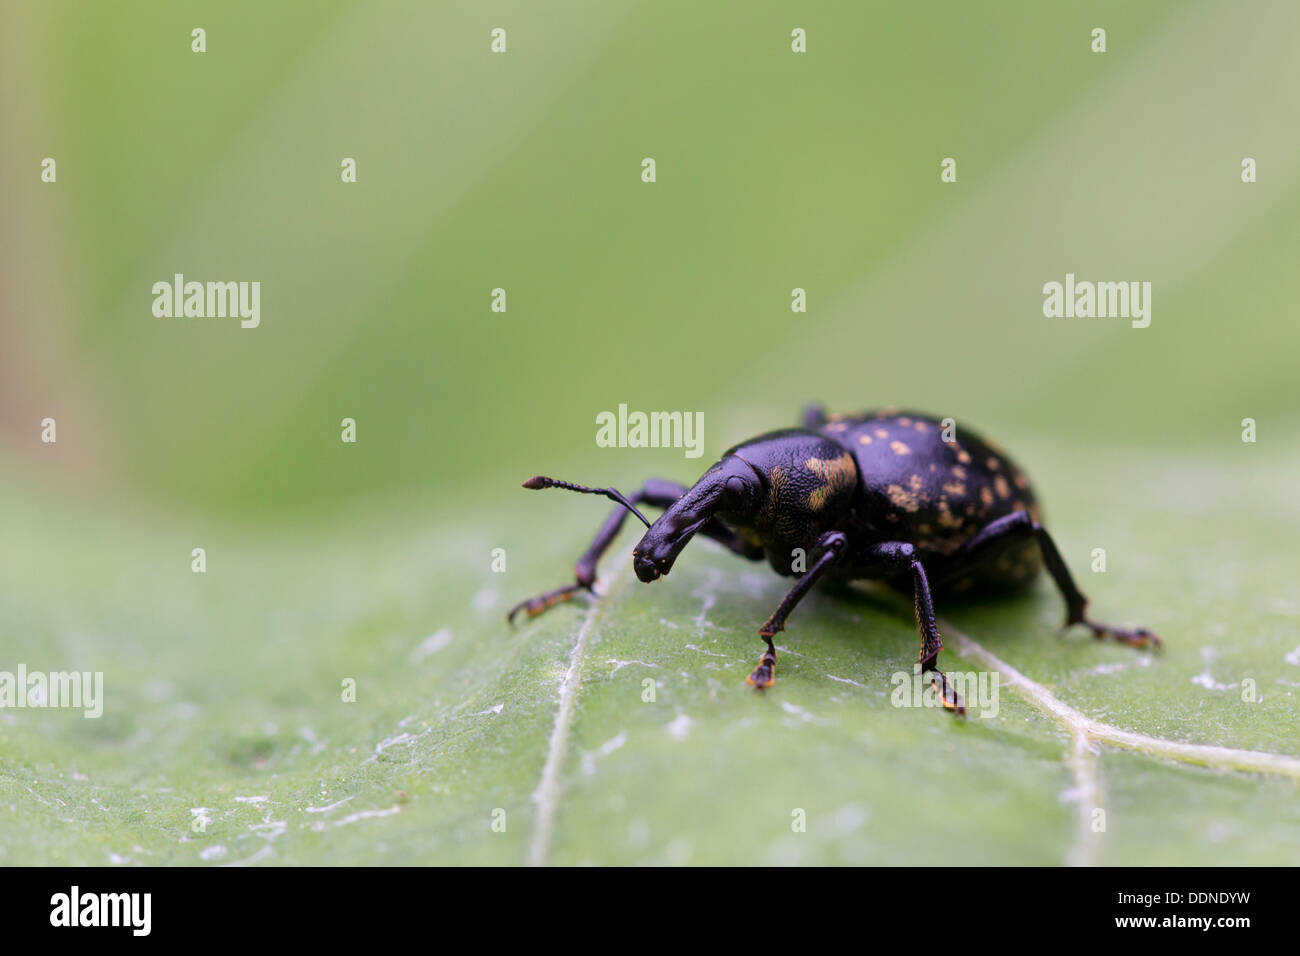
[915,501]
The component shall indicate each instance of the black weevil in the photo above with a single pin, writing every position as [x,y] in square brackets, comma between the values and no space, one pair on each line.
[881,495]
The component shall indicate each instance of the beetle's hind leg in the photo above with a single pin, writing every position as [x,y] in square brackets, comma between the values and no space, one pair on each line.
[1019,526]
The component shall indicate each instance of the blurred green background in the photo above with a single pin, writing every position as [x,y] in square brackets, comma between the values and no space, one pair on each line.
[522,171]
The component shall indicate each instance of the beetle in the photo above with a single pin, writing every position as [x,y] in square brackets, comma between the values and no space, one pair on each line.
[901,497]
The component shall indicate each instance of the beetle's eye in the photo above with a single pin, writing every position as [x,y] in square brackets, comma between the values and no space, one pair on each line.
[736,488]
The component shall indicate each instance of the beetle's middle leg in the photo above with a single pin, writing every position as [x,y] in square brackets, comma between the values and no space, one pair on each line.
[892,558]
[657,493]
[1019,526]
[832,544]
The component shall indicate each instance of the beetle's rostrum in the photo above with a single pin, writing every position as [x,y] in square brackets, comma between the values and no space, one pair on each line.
[880,495]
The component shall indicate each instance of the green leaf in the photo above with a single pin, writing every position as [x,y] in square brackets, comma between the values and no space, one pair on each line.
[223,698]
[226,736]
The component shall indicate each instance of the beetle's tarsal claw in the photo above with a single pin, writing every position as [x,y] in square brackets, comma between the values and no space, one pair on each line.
[1133,637]
[764,675]
[947,693]
[535,606]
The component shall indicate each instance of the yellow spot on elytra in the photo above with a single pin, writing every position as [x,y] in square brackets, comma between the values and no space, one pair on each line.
[1004,490]
[986,496]
[899,448]
[948,545]
[915,482]
[955,488]
[921,426]
[905,422]
[959,472]
[900,497]
[1021,481]
[993,463]
[946,518]
[963,456]
[864,439]
[881,433]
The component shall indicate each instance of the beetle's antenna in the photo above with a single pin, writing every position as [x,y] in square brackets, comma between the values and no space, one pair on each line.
[541,481]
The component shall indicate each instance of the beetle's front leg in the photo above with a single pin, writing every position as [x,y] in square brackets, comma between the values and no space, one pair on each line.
[832,544]
[657,493]
[900,556]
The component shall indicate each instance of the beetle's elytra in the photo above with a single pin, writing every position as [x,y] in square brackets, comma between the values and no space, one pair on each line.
[883,495]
